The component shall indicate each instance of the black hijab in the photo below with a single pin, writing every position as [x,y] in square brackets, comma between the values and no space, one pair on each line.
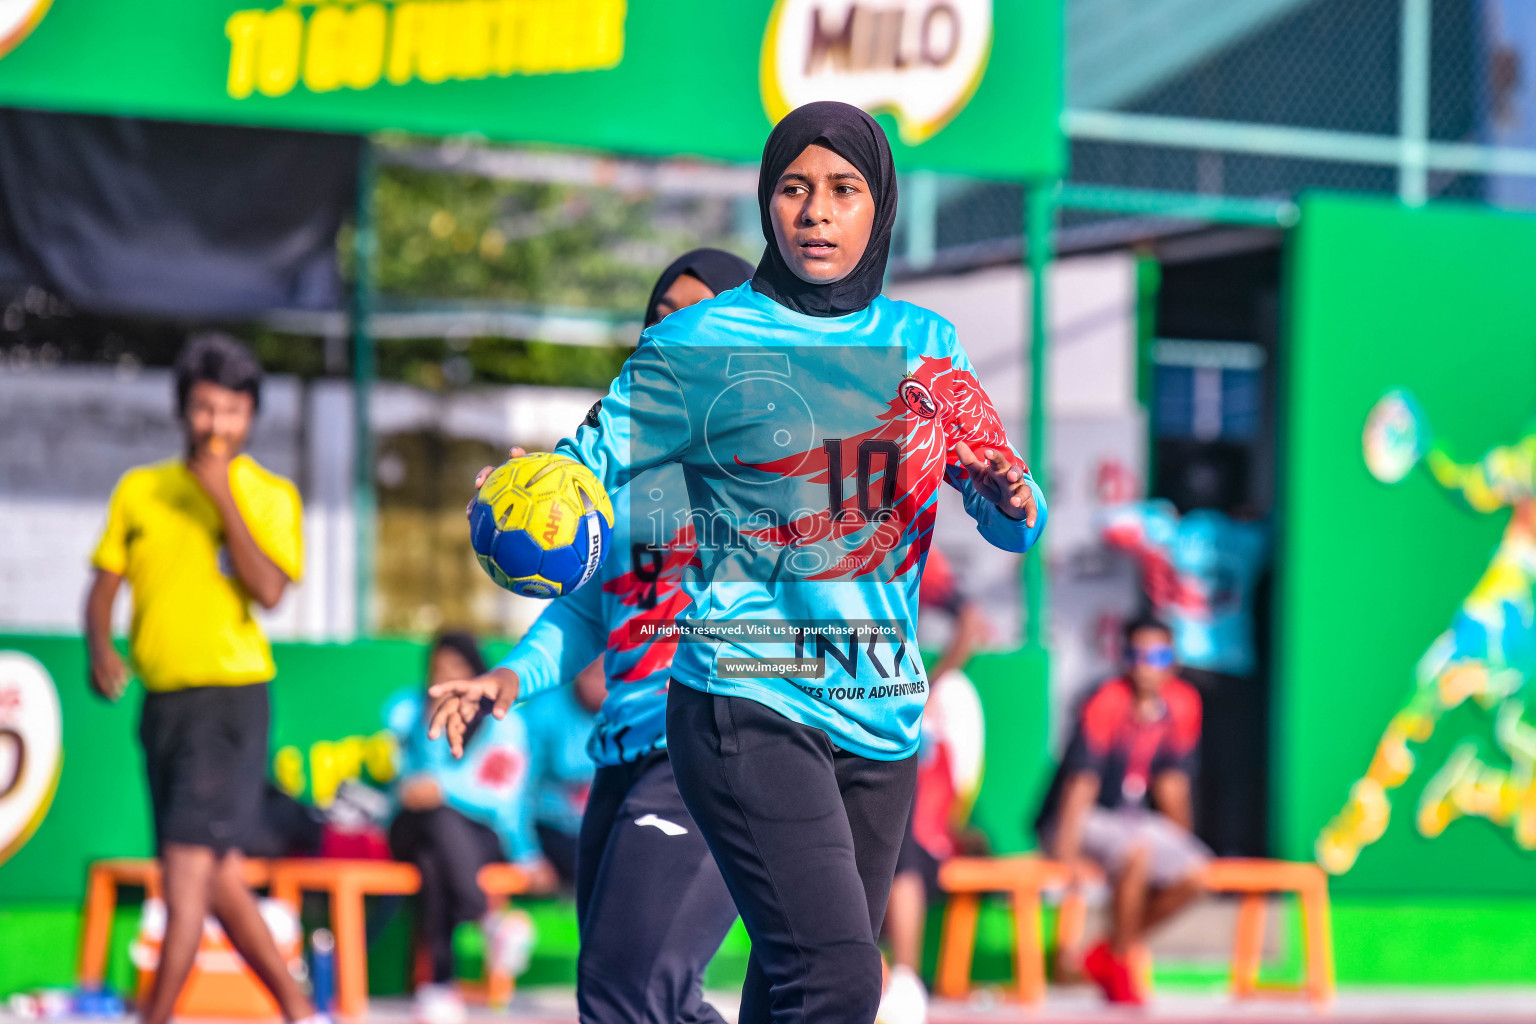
[854,136]
[719,271]
[464,645]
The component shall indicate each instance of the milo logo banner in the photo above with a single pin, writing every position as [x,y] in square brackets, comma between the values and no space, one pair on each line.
[962,85]
[920,60]
[31,748]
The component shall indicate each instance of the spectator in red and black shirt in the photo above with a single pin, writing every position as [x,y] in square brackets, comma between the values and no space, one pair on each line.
[1121,799]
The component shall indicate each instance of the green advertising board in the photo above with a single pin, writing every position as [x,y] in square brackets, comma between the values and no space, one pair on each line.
[327,708]
[1405,750]
[328,703]
[962,85]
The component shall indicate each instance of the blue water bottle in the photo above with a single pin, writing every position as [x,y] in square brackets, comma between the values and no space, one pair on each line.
[322,974]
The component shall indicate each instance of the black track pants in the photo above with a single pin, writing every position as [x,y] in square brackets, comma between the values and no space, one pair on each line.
[806,836]
[652,906]
[449,850]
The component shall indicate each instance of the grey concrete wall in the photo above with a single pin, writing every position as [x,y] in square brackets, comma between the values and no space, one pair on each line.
[67,434]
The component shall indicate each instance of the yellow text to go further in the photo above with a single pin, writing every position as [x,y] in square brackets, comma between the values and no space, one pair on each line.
[331,45]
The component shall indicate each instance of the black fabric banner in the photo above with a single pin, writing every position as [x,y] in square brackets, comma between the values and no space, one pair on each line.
[162,218]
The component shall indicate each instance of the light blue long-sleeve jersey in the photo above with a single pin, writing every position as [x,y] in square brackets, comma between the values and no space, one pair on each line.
[812,450]
[489,784]
[640,583]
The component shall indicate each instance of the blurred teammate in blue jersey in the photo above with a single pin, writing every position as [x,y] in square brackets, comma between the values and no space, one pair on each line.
[651,906]
[813,421]
[1199,571]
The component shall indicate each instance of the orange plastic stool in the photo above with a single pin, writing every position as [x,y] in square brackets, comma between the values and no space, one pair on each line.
[1255,879]
[346,882]
[102,883]
[1021,880]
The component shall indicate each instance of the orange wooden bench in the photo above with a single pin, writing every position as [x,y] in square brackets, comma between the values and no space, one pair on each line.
[966,880]
[1023,879]
[1255,879]
[106,877]
[346,882]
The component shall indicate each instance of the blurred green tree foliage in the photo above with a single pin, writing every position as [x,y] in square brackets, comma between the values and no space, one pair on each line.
[443,237]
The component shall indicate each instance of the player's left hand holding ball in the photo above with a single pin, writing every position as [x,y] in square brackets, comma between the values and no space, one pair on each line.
[515,452]
[457,703]
[540,524]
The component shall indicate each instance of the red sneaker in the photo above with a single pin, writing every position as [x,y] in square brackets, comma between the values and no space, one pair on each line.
[1128,984]
[1112,975]
[1099,965]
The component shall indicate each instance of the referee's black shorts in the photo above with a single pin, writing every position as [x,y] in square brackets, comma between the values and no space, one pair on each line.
[914,859]
[205,753]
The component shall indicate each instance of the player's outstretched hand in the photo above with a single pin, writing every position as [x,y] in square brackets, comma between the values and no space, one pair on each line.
[456,704]
[1003,484]
[512,453]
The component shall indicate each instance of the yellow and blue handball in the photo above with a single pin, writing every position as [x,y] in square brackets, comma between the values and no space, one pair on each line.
[541,525]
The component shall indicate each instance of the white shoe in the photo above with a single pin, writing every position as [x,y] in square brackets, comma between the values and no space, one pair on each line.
[509,938]
[905,1000]
[437,1004]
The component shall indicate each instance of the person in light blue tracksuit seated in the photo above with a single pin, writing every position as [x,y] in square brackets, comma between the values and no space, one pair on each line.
[559,768]
[457,815]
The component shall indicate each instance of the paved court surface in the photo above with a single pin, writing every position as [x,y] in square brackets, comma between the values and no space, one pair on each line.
[1079,1006]
[1384,1006]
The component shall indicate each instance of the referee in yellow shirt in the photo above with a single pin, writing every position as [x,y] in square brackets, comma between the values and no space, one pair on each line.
[198,538]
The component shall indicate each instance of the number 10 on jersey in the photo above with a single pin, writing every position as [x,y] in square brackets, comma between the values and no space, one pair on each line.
[871,507]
